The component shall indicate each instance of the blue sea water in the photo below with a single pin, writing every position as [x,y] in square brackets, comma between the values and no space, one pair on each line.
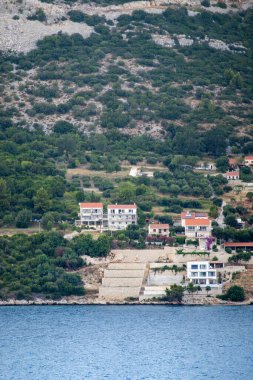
[126,343]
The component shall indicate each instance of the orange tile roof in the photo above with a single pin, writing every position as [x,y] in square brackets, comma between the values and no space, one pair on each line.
[164,226]
[247,244]
[122,206]
[197,222]
[91,205]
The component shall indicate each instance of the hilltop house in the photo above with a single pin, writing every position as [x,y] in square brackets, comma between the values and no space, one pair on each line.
[202,273]
[137,172]
[232,163]
[91,214]
[121,216]
[159,229]
[248,161]
[233,175]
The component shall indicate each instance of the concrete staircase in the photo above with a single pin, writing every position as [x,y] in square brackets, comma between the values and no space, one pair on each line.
[122,280]
[150,292]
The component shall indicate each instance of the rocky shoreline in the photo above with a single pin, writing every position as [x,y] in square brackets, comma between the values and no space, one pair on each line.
[79,301]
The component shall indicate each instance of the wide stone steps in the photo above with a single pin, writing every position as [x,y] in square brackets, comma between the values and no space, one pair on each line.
[118,293]
[127,266]
[153,291]
[121,281]
[123,273]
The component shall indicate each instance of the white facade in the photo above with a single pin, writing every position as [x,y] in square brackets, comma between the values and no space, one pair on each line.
[91,214]
[248,160]
[137,172]
[121,216]
[198,228]
[232,176]
[202,273]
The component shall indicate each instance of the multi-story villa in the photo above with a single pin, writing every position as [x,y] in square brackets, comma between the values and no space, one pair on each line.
[198,228]
[159,229]
[91,215]
[121,216]
[202,273]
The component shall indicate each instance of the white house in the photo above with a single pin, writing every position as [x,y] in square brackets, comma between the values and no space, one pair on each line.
[248,160]
[159,229]
[91,214]
[198,228]
[121,216]
[232,175]
[137,172]
[202,273]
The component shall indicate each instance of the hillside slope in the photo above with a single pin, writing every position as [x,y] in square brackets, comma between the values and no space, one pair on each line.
[144,72]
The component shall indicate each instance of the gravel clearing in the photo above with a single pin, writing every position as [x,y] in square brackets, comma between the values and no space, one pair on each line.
[22,35]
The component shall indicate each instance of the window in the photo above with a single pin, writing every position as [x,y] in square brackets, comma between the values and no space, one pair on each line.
[202,228]
[202,282]
[202,266]
[202,274]
[211,274]
[191,228]
[194,266]
[194,274]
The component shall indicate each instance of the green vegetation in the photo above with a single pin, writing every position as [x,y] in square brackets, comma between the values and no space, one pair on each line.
[39,265]
[191,288]
[242,256]
[144,84]
[200,253]
[173,268]
[174,294]
[234,293]
[233,234]
[38,15]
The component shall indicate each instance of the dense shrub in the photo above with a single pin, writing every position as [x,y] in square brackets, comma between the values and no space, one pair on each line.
[234,293]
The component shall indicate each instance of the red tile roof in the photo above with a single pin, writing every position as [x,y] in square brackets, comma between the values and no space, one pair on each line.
[91,205]
[163,226]
[247,244]
[133,206]
[197,222]
[232,161]
[248,158]
[232,174]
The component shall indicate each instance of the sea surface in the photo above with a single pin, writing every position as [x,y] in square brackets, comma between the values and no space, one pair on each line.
[126,342]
